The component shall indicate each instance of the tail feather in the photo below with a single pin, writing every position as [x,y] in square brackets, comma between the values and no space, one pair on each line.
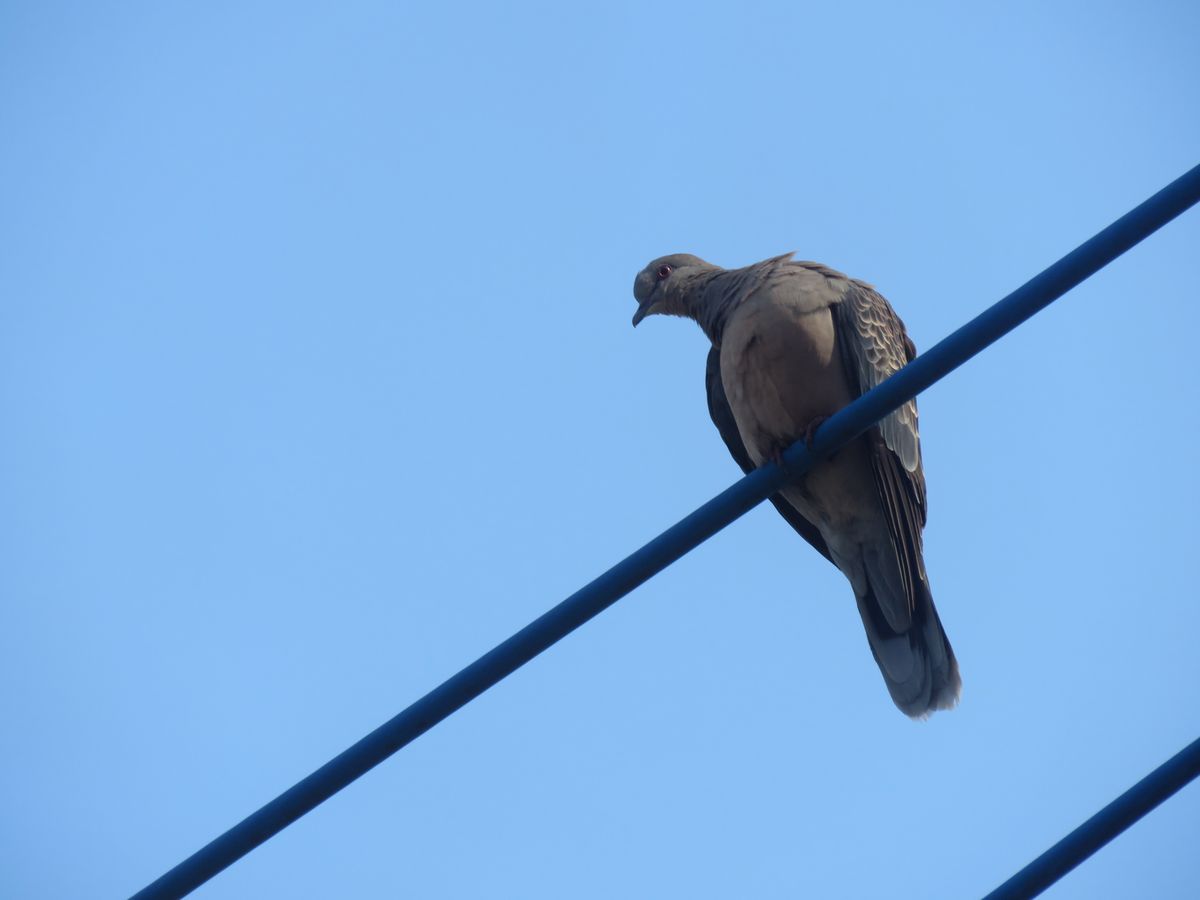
[918,664]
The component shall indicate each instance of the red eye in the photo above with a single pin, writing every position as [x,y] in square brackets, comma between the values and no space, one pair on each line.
[663,271]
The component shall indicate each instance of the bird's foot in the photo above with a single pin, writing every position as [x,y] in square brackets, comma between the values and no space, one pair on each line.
[776,455]
[810,430]
[808,435]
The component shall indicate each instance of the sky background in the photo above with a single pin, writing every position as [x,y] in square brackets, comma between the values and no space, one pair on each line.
[317,380]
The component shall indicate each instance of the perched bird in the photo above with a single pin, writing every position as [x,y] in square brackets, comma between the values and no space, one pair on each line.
[792,343]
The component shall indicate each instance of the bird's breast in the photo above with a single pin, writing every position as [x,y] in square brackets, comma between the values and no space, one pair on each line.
[781,369]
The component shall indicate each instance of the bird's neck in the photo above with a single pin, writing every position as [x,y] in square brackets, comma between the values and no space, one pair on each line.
[710,300]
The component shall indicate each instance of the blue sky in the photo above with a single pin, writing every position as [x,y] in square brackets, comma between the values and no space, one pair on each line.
[318,381]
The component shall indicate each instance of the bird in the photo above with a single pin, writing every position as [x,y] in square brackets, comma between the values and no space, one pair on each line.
[792,343]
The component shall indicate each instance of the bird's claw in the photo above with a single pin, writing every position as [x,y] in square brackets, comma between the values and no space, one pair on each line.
[810,430]
[809,434]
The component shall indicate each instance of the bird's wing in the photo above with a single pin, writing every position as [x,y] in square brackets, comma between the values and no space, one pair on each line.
[722,416]
[874,345]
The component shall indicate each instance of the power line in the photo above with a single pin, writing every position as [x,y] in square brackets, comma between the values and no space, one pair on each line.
[1101,828]
[685,535]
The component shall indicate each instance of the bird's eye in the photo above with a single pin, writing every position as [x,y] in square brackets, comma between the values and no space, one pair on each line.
[663,271]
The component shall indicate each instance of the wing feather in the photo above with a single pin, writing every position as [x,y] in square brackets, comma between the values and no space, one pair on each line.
[874,346]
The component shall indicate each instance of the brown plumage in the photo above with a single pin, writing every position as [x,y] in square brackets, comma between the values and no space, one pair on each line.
[793,342]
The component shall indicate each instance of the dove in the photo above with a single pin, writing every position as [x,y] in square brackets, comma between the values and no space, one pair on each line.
[792,343]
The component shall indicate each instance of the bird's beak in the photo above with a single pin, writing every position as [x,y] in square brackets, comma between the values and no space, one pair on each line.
[642,311]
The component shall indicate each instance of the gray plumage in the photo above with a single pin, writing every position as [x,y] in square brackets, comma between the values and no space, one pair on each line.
[792,343]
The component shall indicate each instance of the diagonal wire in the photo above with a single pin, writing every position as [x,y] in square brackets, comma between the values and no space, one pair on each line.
[986,328]
[1101,828]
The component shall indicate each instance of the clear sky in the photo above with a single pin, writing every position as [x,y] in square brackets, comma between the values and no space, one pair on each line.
[317,380]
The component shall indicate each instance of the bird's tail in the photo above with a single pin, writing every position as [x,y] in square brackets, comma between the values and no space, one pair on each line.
[918,664]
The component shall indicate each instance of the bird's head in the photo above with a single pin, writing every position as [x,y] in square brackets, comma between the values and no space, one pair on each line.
[661,287]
